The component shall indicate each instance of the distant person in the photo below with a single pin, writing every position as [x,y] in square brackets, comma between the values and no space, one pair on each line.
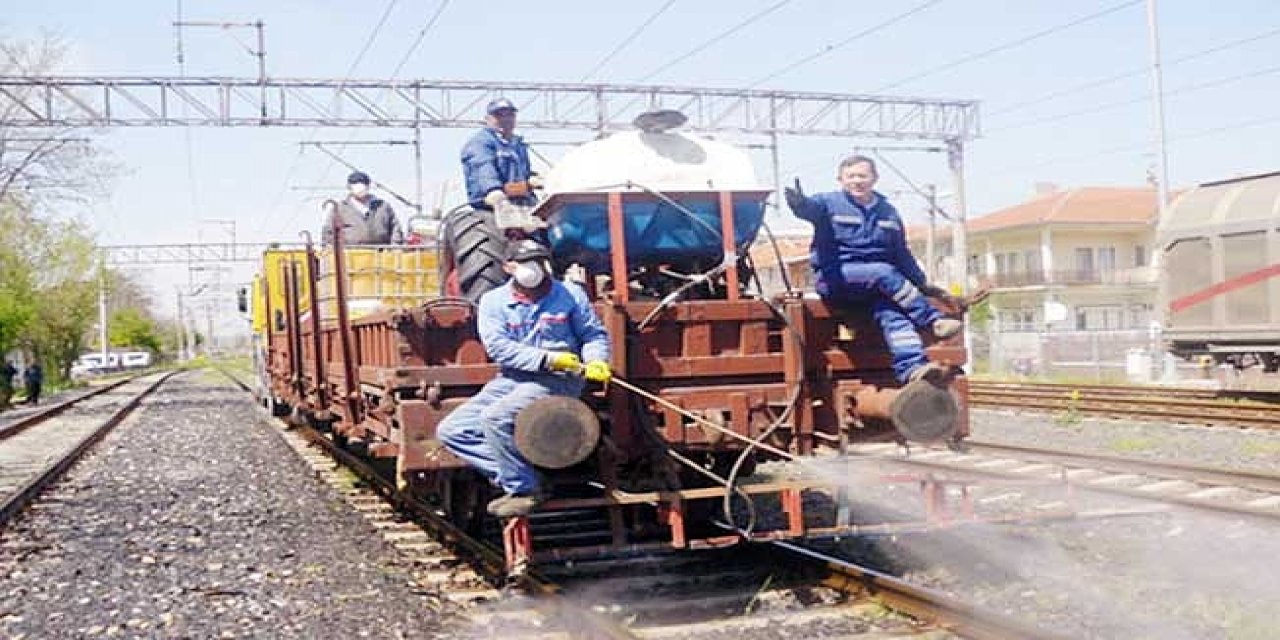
[365,218]
[495,161]
[33,378]
[859,255]
[6,383]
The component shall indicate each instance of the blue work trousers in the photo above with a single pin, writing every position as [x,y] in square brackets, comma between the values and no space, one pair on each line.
[897,306]
[482,431]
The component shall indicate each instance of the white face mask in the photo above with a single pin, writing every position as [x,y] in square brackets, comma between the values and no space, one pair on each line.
[358,189]
[529,274]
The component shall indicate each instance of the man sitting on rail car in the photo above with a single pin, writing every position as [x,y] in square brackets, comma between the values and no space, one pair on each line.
[859,254]
[533,327]
[365,218]
[495,161]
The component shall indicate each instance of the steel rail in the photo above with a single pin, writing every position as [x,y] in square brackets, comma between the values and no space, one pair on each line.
[577,621]
[21,424]
[920,602]
[1165,391]
[1061,472]
[14,503]
[1194,412]
[1262,481]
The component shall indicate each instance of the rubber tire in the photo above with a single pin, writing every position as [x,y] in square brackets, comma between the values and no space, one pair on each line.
[474,248]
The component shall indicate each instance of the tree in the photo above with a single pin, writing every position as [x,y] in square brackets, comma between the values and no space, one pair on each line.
[48,279]
[130,327]
[65,301]
[46,167]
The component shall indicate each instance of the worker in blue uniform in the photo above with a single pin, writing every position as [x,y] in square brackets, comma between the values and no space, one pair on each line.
[860,256]
[495,161]
[539,331]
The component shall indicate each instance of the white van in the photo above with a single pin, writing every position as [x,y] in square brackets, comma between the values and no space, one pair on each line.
[135,359]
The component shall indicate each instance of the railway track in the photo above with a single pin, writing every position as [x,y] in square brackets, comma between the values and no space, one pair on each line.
[1242,493]
[1166,404]
[37,449]
[786,587]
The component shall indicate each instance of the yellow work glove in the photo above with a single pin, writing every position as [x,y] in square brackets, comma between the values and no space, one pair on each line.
[564,361]
[597,371]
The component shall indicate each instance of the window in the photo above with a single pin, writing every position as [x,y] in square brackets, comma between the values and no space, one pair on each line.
[1140,316]
[1099,318]
[1031,258]
[1018,320]
[1011,262]
[1106,259]
[977,265]
[1084,261]
[1139,255]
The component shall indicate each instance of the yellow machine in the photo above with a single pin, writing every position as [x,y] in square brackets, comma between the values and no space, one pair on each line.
[377,277]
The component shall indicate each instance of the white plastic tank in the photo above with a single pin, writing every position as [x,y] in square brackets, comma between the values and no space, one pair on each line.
[654,157]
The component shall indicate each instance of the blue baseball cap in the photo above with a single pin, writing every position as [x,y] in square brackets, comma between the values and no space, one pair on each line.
[498,104]
[358,177]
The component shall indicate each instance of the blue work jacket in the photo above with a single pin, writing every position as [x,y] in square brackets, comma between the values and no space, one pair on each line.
[490,161]
[519,334]
[845,231]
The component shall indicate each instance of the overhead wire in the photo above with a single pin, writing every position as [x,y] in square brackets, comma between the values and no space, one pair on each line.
[1203,133]
[609,56]
[1131,73]
[752,19]
[1107,106]
[626,42]
[293,167]
[830,48]
[1012,44]
[395,73]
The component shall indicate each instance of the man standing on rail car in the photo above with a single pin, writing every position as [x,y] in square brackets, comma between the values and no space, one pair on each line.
[539,331]
[495,161]
[365,218]
[859,255]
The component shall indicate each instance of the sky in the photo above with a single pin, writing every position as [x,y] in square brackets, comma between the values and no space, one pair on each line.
[1039,68]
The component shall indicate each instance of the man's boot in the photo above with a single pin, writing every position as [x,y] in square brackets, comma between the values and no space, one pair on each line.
[512,505]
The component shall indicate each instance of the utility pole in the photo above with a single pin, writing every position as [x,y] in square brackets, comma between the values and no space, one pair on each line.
[930,239]
[260,52]
[102,315]
[1157,100]
[180,328]
[959,235]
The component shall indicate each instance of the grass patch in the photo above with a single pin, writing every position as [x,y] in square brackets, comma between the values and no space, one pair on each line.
[1261,448]
[1132,444]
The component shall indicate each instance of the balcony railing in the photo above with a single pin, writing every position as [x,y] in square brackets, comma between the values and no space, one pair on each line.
[1136,275]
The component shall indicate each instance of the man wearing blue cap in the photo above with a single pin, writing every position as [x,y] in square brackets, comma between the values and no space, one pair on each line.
[495,161]
[364,218]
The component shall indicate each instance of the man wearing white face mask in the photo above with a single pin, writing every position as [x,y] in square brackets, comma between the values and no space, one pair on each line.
[539,331]
[365,218]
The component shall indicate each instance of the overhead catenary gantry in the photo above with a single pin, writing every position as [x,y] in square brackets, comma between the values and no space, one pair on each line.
[104,101]
[151,101]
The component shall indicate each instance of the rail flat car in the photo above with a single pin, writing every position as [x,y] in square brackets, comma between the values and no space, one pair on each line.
[729,377]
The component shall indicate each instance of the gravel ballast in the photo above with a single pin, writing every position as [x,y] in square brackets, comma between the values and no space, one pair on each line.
[193,519]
